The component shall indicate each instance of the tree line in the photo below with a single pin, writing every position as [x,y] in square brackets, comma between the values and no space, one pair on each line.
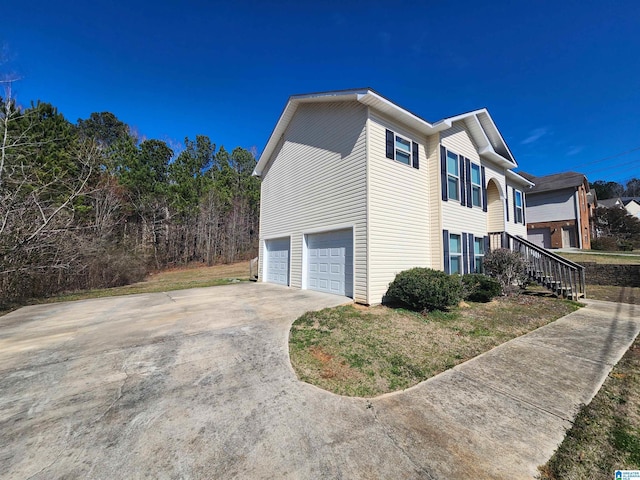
[91,205]
[606,189]
[615,229]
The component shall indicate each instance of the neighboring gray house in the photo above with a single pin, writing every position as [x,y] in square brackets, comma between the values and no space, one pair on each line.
[356,189]
[559,210]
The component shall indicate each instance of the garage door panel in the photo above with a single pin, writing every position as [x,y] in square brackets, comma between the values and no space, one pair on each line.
[540,237]
[278,261]
[330,262]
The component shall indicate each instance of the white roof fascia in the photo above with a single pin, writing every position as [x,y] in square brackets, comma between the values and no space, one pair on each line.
[396,112]
[491,154]
[519,178]
[488,149]
[372,99]
[364,96]
[506,147]
[486,142]
[287,114]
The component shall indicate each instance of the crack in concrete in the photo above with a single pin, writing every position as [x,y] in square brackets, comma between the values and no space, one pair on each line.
[514,397]
[386,432]
[170,297]
[554,348]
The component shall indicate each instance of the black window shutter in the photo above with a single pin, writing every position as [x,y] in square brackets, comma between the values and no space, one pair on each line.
[390,144]
[524,209]
[472,257]
[487,244]
[484,189]
[443,172]
[515,215]
[463,189]
[467,164]
[415,156]
[506,201]
[445,244]
[465,254]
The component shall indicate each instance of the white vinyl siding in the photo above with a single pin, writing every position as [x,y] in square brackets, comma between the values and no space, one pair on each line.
[495,209]
[316,180]
[435,213]
[455,216]
[399,210]
[512,227]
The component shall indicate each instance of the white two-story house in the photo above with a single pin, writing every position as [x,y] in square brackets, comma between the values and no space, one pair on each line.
[356,189]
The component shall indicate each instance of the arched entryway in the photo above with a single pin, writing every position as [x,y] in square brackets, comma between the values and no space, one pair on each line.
[495,207]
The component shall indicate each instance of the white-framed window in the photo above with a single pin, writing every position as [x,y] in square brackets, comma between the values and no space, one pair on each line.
[517,202]
[453,176]
[402,150]
[476,185]
[478,254]
[455,253]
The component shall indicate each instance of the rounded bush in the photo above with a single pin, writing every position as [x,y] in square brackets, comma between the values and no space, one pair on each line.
[477,287]
[424,289]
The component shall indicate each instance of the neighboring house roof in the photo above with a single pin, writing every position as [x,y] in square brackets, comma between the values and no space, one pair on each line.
[627,200]
[482,128]
[557,181]
[611,202]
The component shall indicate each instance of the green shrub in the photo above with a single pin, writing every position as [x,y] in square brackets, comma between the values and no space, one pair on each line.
[625,245]
[508,268]
[604,243]
[480,288]
[424,289]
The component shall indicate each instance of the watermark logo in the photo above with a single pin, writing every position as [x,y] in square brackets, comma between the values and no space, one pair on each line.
[627,475]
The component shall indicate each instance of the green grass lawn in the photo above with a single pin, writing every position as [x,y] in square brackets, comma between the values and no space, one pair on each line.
[362,351]
[610,258]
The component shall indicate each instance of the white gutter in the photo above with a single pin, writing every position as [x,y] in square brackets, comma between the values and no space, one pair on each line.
[519,178]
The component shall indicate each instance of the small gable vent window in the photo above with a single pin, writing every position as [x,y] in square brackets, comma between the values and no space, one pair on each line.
[402,149]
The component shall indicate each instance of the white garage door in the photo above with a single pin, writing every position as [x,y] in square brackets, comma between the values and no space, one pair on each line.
[330,262]
[277,266]
[540,236]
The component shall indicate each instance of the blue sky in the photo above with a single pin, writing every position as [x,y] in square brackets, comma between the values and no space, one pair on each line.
[561,79]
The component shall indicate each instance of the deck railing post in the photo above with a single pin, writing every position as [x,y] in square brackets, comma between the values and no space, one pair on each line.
[555,272]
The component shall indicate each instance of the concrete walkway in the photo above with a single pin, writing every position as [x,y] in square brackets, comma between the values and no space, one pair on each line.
[504,413]
[197,384]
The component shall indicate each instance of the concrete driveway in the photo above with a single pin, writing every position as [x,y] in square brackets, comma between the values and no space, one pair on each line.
[197,384]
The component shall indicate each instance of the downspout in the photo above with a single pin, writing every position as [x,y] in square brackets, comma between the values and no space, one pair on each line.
[578,217]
